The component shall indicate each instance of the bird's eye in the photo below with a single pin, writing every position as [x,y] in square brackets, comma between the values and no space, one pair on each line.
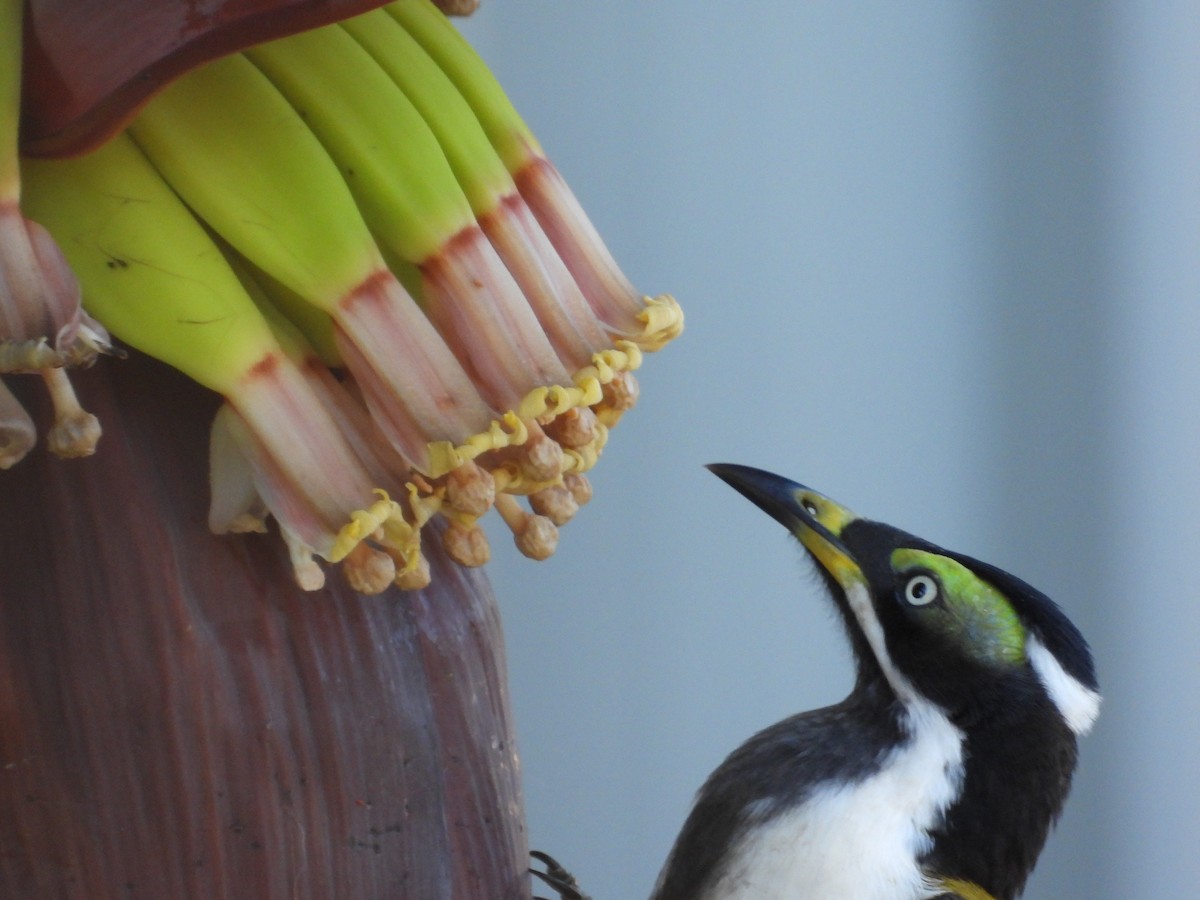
[920,590]
[810,507]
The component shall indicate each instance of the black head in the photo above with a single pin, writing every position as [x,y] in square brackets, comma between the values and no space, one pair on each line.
[962,633]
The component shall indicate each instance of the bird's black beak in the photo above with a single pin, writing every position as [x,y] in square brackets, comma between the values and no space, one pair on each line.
[812,517]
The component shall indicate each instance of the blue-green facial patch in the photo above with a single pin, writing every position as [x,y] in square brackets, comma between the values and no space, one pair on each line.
[947,598]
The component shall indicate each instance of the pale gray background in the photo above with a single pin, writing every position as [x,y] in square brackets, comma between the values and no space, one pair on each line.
[940,261]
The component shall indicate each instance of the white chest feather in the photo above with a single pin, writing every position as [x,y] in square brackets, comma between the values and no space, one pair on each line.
[857,842]
[860,841]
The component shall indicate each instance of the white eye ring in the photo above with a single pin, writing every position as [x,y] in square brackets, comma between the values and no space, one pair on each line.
[921,590]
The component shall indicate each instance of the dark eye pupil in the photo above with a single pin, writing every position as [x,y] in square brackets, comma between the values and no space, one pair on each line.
[919,589]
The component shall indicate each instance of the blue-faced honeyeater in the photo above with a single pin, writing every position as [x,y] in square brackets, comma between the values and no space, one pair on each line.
[942,772]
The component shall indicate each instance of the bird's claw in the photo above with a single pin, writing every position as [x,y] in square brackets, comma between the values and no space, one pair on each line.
[556,877]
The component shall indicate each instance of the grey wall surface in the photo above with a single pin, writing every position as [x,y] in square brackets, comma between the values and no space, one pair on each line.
[940,261]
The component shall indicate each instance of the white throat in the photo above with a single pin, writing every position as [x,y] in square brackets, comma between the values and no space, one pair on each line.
[858,841]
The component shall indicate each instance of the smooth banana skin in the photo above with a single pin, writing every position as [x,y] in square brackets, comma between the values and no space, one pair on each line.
[152,273]
[649,322]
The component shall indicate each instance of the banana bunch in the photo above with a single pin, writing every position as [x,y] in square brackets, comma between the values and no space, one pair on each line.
[351,236]
[43,328]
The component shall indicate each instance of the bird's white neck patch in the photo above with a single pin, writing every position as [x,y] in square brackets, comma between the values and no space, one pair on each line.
[858,839]
[1077,703]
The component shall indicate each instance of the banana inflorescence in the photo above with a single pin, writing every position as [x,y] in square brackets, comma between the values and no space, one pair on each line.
[351,236]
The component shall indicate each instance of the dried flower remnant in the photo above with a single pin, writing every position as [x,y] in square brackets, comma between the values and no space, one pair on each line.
[43,328]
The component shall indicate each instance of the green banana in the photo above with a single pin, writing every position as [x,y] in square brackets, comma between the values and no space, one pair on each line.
[125,232]
[505,128]
[560,306]
[286,310]
[651,323]
[10,96]
[410,197]
[480,172]
[242,157]
[156,278]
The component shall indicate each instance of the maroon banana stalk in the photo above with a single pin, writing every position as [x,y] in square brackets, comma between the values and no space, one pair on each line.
[179,719]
